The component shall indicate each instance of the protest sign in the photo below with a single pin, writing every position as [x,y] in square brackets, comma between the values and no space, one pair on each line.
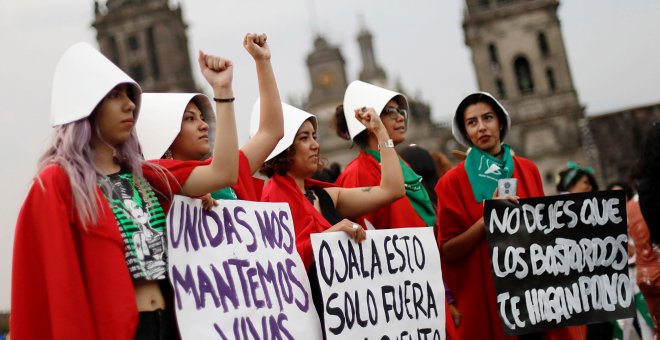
[236,272]
[387,287]
[560,260]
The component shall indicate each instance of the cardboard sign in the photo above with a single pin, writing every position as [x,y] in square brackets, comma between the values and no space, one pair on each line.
[560,260]
[387,287]
[236,272]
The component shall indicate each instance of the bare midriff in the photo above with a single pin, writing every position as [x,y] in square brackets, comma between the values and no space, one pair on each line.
[148,295]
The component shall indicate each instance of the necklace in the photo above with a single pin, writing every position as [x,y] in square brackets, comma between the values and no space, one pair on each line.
[499,153]
[310,196]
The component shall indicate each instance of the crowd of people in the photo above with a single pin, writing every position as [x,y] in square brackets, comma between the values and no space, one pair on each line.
[90,251]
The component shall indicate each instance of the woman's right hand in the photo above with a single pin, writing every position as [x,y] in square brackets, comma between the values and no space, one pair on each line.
[354,230]
[257,46]
[371,120]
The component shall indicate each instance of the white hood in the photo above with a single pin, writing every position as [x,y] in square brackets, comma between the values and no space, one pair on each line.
[160,120]
[360,94]
[457,121]
[293,119]
[83,77]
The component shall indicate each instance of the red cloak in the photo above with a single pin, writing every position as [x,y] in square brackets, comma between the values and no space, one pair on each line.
[471,279]
[69,282]
[364,171]
[247,188]
[306,219]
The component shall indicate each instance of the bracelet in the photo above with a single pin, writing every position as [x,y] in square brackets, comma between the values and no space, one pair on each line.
[386,144]
[224,100]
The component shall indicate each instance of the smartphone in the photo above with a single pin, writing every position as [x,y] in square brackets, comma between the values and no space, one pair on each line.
[507,187]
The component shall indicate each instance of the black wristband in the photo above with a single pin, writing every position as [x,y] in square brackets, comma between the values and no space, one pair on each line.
[224,100]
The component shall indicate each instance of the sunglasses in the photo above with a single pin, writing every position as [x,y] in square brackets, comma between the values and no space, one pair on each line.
[391,112]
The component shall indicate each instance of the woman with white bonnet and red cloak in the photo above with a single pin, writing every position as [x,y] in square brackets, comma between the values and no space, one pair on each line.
[90,248]
[178,129]
[480,123]
[317,206]
[415,208]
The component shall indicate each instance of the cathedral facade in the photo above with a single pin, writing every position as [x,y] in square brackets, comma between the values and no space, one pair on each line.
[147,39]
[327,73]
[518,55]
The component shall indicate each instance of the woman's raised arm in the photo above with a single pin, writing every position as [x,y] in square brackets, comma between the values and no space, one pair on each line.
[223,169]
[352,202]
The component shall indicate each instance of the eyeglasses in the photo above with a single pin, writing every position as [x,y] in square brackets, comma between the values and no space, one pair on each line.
[391,112]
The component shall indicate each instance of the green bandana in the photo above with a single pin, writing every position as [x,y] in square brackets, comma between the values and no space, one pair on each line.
[415,191]
[224,194]
[643,309]
[483,171]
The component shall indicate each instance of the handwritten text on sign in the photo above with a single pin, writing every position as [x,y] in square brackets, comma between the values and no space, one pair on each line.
[387,287]
[560,260]
[236,273]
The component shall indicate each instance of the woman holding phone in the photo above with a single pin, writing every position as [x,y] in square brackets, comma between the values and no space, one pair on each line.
[480,123]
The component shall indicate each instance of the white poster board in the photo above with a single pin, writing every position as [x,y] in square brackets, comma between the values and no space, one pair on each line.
[236,272]
[387,287]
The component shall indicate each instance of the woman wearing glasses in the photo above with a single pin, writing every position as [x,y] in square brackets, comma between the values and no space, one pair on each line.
[415,208]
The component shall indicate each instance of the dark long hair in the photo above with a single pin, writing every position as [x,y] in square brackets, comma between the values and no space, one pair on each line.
[569,177]
[646,174]
[476,98]
[341,129]
[282,163]
[279,164]
[421,161]
[648,165]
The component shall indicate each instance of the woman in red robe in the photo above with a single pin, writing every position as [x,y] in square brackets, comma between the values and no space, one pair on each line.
[89,251]
[480,123]
[179,127]
[296,158]
[316,206]
[415,208]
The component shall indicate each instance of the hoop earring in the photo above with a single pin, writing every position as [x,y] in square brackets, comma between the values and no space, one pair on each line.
[168,154]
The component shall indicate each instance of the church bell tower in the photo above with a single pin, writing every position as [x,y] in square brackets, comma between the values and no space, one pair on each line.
[519,56]
[147,39]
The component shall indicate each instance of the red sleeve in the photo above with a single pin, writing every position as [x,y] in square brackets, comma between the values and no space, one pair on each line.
[529,178]
[537,180]
[167,177]
[306,220]
[247,187]
[48,299]
[361,174]
[303,244]
[454,209]
[169,174]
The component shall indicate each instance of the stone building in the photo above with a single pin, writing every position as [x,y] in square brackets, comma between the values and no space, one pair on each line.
[519,56]
[147,39]
[327,72]
[620,136]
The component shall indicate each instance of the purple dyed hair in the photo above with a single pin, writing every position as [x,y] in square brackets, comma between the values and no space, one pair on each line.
[71,149]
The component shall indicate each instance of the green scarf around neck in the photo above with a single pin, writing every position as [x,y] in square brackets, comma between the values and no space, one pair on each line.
[483,171]
[224,194]
[415,190]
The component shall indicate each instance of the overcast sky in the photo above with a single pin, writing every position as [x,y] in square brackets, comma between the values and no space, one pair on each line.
[612,48]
